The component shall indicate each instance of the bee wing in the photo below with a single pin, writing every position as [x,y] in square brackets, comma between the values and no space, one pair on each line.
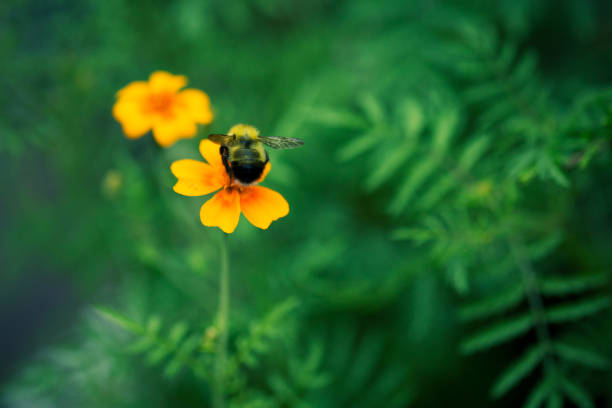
[281,142]
[220,139]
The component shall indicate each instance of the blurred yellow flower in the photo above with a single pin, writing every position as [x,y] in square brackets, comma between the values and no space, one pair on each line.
[260,205]
[159,104]
[112,182]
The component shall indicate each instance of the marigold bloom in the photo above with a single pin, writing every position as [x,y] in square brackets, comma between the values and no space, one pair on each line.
[260,205]
[160,105]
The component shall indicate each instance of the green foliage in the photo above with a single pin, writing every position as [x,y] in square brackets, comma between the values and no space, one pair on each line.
[518,370]
[544,352]
[174,349]
[449,225]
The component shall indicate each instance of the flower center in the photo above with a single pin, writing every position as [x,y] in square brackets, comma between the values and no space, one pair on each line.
[160,103]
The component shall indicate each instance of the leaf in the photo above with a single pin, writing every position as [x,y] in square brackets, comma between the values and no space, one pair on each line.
[566,285]
[189,345]
[473,152]
[503,301]
[548,168]
[156,355]
[359,145]
[177,332]
[153,325]
[335,118]
[518,370]
[142,344]
[576,393]
[418,235]
[411,183]
[496,334]
[580,355]
[119,319]
[372,108]
[443,130]
[172,368]
[554,400]
[438,189]
[387,167]
[412,117]
[525,68]
[543,247]
[577,309]
[538,394]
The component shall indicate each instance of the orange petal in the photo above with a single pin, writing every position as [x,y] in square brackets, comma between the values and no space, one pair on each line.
[223,211]
[129,113]
[210,151]
[197,104]
[166,131]
[195,178]
[134,90]
[265,172]
[261,206]
[161,81]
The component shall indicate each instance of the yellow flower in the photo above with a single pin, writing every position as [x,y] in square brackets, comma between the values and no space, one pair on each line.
[160,105]
[260,205]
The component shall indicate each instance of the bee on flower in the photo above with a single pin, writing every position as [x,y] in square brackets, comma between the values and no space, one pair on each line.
[160,105]
[236,163]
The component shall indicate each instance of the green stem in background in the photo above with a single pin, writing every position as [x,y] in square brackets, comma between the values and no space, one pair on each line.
[222,324]
[532,290]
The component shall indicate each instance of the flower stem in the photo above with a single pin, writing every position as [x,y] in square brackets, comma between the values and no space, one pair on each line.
[222,321]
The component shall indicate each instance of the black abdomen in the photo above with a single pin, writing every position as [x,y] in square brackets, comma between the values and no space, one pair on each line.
[247,172]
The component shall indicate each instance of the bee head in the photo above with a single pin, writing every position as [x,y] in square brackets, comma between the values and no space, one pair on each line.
[242,131]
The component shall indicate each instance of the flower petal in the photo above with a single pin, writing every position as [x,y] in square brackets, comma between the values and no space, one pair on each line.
[168,130]
[129,113]
[265,172]
[134,90]
[223,211]
[161,81]
[195,178]
[197,105]
[261,206]
[210,151]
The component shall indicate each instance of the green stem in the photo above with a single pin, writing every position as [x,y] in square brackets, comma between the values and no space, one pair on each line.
[532,290]
[222,322]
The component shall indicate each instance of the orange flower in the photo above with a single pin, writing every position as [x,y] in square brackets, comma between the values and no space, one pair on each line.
[159,105]
[260,205]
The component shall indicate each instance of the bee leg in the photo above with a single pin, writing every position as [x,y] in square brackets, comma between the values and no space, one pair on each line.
[224,158]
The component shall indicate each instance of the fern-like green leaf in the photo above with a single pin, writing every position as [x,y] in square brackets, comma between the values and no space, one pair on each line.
[473,152]
[389,166]
[412,117]
[576,393]
[580,355]
[156,355]
[372,108]
[577,309]
[499,333]
[501,302]
[119,319]
[410,184]
[566,285]
[555,400]
[518,370]
[443,131]
[538,395]
[335,118]
[177,332]
[360,144]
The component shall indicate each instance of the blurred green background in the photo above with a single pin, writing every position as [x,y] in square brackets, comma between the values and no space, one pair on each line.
[451,211]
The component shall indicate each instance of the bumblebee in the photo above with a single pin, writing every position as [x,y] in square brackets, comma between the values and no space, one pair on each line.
[243,154]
